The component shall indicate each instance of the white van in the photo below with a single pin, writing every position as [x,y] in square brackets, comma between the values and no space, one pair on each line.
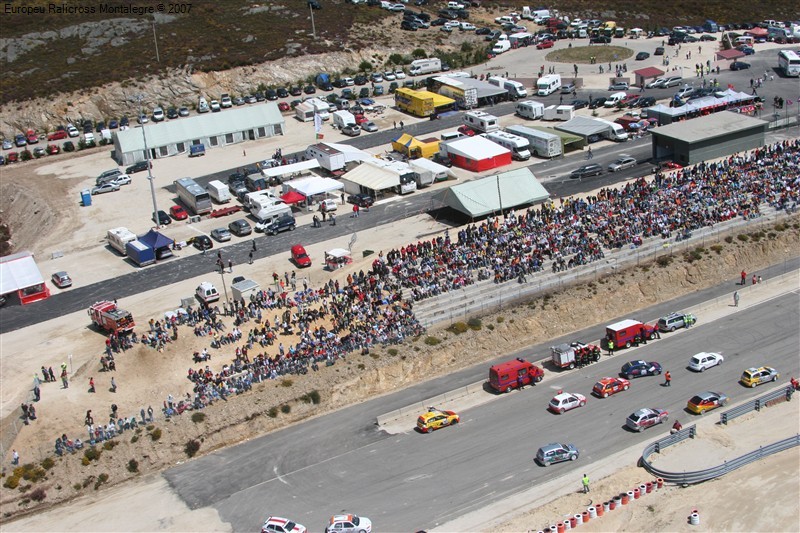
[614,99]
[451,135]
[744,39]
[207,293]
[219,191]
[514,88]
[501,46]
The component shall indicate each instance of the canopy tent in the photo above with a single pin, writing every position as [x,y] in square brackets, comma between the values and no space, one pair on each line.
[730,54]
[757,32]
[282,170]
[494,193]
[583,126]
[647,73]
[377,174]
[313,186]
[568,141]
[18,272]
[293,197]
[155,240]
[412,147]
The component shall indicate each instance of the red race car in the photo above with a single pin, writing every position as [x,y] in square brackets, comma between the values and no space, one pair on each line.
[545,44]
[608,386]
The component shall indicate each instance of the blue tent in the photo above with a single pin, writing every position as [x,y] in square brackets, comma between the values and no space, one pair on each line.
[155,240]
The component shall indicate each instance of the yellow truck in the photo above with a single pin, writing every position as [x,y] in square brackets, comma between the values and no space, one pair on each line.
[414,148]
[421,103]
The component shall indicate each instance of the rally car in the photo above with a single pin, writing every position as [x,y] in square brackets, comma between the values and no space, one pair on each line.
[608,386]
[644,418]
[635,369]
[565,401]
[706,401]
[756,376]
[435,419]
[276,524]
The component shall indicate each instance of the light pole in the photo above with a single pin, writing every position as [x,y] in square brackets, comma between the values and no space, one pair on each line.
[313,29]
[155,41]
[224,287]
[139,98]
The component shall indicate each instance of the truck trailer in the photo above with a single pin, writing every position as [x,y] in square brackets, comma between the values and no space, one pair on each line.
[140,253]
[542,144]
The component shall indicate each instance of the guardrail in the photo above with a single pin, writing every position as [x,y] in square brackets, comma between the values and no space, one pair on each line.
[421,407]
[757,404]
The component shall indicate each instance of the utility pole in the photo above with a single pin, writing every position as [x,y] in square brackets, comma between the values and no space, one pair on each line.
[313,28]
[155,40]
[139,98]
[224,287]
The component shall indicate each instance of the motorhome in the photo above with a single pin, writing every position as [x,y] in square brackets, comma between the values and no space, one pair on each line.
[548,84]
[514,88]
[118,238]
[269,214]
[425,66]
[542,144]
[529,109]
[481,121]
[519,146]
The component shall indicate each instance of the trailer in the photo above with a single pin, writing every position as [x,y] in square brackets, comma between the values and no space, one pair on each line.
[530,109]
[481,121]
[574,354]
[242,290]
[542,144]
[107,316]
[593,129]
[519,146]
[118,238]
[140,253]
[559,112]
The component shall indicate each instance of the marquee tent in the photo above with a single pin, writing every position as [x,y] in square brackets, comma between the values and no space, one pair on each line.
[19,273]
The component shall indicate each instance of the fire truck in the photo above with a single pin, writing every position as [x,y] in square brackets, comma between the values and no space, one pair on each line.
[106,315]
[574,354]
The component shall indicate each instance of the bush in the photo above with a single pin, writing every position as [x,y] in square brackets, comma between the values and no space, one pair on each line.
[475,324]
[361,366]
[109,445]
[742,237]
[664,261]
[12,482]
[287,382]
[458,328]
[25,155]
[192,447]
[432,341]
[717,248]
[48,463]
[315,397]
[155,434]
[134,438]
[92,453]
[198,417]
[490,327]
[102,478]
[729,239]
[38,495]
[501,319]
[133,466]
[77,486]
[286,408]
[374,355]
[392,351]
[85,461]
[273,412]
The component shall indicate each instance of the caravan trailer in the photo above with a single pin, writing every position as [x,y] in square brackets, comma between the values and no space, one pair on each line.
[530,109]
[481,121]
[542,144]
[559,112]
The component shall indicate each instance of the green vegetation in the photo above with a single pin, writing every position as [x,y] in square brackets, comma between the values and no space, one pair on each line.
[458,328]
[155,434]
[133,466]
[582,54]
[198,417]
[287,382]
[286,408]
[475,324]
[192,447]
[92,453]
[273,412]
[430,340]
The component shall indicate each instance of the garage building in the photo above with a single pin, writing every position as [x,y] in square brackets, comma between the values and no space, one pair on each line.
[708,137]
[173,137]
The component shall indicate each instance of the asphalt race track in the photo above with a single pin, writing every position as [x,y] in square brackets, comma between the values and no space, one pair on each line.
[410,481]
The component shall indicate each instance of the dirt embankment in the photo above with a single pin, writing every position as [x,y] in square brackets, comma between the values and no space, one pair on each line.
[277,404]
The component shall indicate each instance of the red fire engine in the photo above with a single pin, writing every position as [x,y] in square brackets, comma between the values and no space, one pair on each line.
[109,317]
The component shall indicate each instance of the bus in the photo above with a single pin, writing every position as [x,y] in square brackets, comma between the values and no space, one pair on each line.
[193,196]
[789,63]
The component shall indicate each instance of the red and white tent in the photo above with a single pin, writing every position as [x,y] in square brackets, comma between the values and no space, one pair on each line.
[19,273]
[476,153]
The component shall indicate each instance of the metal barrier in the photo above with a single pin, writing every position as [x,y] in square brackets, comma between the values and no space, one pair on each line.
[757,404]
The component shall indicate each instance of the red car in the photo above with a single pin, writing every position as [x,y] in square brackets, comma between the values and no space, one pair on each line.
[360,119]
[56,135]
[178,213]
[12,157]
[284,106]
[466,130]
[31,137]
[545,44]
[608,386]
[670,165]
[53,149]
[300,257]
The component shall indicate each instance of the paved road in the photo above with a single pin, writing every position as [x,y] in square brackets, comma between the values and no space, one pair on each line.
[409,481]
[552,173]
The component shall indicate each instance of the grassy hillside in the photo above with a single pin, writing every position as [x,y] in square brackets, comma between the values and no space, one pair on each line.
[46,53]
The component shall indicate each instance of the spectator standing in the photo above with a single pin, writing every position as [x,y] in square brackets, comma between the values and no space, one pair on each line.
[91,384]
[744,277]
[52,374]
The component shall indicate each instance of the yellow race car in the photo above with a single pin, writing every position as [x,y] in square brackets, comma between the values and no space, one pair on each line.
[756,376]
[435,419]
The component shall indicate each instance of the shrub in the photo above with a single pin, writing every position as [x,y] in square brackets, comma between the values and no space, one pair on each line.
[273,412]
[150,427]
[475,324]
[729,239]
[374,355]
[102,477]
[198,417]
[38,495]
[287,382]
[772,235]
[155,434]
[133,466]
[109,444]
[500,319]
[85,461]
[12,482]
[192,447]
[315,397]
[88,481]
[430,340]
[780,226]
[48,463]
[286,408]
[361,366]
[458,328]
[392,351]
[134,438]
[664,261]
[25,155]
[92,453]
[490,327]
[717,248]
[742,237]
[77,486]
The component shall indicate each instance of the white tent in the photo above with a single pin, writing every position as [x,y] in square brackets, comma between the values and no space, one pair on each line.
[282,170]
[312,186]
[18,272]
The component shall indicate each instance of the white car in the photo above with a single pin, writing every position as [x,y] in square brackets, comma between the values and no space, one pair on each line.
[276,524]
[328,205]
[158,114]
[623,161]
[215,106]
[452,24]
[466,26]
[399,74]
[122,179]
[88,137]
[349,523]
[106,187]
[699,362]
[389,76]
[72,131]
[565,401]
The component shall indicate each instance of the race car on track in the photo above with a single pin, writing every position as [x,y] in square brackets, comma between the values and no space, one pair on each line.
[608,386]
[435,419]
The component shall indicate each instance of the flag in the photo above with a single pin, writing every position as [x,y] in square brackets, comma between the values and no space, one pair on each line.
[317,122]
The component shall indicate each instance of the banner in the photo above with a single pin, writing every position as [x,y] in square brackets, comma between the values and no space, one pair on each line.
[317,122]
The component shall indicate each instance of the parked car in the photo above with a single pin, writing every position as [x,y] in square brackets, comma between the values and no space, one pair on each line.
[556,453]
[579,104]
[55,136]
[39,152]
[567,88]
[20,140]
[163,218]
[221,234]
[201,242]
[703,360]
[623,161]
[105,187]
[659,51]
[309,89]
[139,166]
[178,212]
[328,205]
[342,523]
[183,111]
[361,200]
[369,127]
[758,376]
[597,102]
[31,137]
[673,321]
[53,149]
[592,169]
[158,114]
[282,92]
[707,37]
[686,92]
[72,131]
[565,401]
[619,86]
[61,280]
[284,106]
[706,401]
[637,369]
[608,386]
[300,256]
[641,56]
[351,130]
[271,94]
[545,44]
[740,65]
[122,179]
[240,227]
[645,418]
[284,223]
[376,77]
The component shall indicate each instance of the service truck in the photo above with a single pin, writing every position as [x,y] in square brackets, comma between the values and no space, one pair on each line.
[574,353]
[542,144]
[514,374]
[107,316]
[530,109]
[425,66]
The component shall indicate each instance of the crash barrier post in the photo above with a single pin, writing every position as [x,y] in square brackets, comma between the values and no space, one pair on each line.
[756,404]
[699,476]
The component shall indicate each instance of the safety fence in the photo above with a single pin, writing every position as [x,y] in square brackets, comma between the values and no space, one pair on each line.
[757,404]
